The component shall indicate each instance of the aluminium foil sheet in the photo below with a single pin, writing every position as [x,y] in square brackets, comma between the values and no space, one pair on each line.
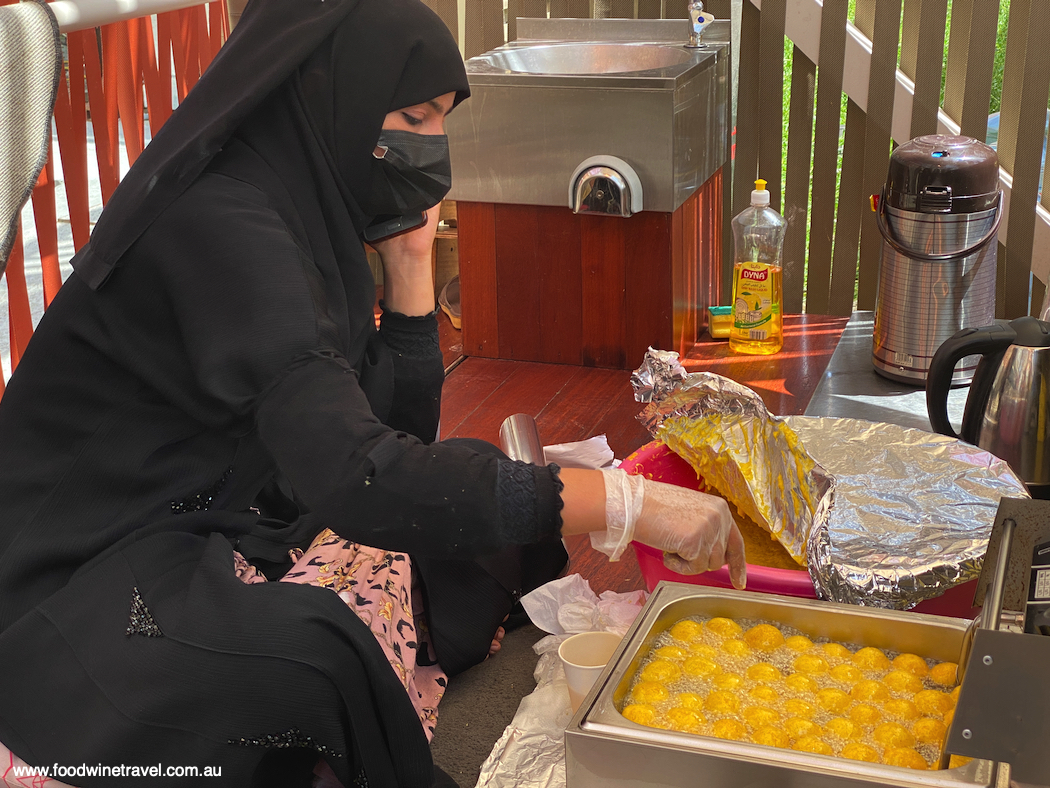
[881,515]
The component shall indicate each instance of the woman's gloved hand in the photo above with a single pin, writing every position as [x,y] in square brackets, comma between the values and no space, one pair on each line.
[695,530]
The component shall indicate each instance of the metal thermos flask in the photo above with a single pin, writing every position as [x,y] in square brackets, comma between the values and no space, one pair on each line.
[939,216]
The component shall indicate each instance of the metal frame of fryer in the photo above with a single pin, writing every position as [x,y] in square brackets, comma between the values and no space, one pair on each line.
[1002,712]
[602,748]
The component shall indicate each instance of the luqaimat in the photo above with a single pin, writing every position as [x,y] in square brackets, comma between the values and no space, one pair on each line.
[768,684]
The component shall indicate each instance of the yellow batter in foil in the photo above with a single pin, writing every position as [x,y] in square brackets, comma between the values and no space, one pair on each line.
[758,465]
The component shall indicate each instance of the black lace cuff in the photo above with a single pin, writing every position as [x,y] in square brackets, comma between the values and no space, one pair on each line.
[529,501]
[415,337]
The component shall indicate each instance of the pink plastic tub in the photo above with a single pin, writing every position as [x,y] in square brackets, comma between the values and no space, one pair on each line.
[655,461]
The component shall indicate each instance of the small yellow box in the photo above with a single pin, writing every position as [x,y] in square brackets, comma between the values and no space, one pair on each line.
[720,320]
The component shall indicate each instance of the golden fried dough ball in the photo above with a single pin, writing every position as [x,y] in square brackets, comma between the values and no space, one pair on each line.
[912,663]
[685,720]
[736,648]
[703,650]
[661,670]
[893,734]
[869,690]
[833,700]
[764,672]
[842,728]
[929,730]
[836,652]
[801,683]
[763,693]
[933,703]
[721,702]
[799,643]
[846,674]
[689,700]
[865,714]
[724,627]
[687,630]
[641,713]
[944,673]
[902,681]
[955,761]
[797,727]
[869,658]
[701,667]
[729,729]
[671,652]
[764,637]
[760,716]
[904,756]
[812,744]
[901,709]
[858,751]
[810,663]
[771,736]
[796,707]
[727,681]
[649,692]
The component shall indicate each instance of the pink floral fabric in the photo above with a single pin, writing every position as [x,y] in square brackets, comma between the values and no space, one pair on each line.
[377,585]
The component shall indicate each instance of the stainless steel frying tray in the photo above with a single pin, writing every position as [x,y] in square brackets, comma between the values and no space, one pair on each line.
[605,749]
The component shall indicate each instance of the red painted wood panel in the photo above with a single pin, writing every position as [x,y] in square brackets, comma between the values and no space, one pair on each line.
[550,286]
[518,247]
[603,267]
[648,277]
[477,278]
[557,265]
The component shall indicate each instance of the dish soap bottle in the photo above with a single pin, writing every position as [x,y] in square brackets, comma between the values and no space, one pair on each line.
[758,277]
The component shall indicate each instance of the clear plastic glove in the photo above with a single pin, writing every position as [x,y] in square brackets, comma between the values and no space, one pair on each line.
[695,530]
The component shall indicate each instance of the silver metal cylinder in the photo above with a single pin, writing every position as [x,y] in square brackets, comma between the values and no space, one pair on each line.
[921,303]
[520,439]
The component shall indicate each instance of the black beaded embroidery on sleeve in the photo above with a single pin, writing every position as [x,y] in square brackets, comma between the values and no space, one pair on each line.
[202,500]
[416,337]
[516,497]
[141,621]
[559,488]
[292,738]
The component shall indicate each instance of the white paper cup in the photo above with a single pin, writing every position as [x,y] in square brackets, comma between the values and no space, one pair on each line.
[584,657]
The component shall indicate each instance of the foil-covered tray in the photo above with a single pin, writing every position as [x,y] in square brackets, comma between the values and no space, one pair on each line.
[881,515]
[605,750]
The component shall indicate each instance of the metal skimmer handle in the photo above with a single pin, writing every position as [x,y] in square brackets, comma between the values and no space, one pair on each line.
[520,439]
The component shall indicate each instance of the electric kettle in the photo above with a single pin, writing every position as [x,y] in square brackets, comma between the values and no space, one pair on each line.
[1008,408]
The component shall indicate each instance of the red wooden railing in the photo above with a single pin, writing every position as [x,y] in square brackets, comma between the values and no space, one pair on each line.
[117,73]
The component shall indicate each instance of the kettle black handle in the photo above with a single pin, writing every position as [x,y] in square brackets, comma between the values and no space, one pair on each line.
[970,341]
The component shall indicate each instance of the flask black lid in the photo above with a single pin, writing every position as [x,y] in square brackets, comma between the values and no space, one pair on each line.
[939,173]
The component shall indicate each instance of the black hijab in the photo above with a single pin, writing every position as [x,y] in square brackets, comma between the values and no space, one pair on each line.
[310,81]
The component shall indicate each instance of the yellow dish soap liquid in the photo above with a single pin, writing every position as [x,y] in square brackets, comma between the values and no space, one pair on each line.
[758,277]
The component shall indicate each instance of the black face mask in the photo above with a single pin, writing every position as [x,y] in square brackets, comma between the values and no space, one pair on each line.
[414,173]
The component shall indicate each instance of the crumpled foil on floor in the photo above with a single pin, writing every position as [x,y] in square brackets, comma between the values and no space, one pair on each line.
[531,751]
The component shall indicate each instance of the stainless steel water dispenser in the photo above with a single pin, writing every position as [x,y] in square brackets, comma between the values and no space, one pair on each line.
[939,217]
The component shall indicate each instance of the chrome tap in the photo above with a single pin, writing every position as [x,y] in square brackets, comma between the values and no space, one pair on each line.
[697,23]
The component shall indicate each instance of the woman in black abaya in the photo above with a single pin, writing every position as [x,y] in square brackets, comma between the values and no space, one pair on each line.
[208,396]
